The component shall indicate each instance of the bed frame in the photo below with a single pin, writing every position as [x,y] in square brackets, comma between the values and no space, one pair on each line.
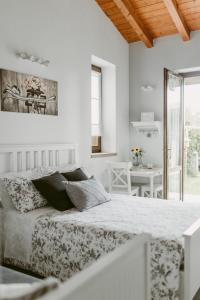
[122,274]
[191,278]
[15,158]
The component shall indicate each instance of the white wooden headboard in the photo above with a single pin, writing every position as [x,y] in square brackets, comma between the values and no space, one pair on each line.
[15,158]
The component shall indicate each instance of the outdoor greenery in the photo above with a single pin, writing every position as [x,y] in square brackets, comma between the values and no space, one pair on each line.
[193,145]
[194,140]
[192,185]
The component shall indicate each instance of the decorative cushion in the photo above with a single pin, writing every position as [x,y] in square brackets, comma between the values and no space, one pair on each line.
[23,194]
[4,197]
[76,175]
[53,190]
[30,174]
[86,194]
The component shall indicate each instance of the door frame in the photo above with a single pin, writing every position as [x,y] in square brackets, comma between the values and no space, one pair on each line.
[165,136]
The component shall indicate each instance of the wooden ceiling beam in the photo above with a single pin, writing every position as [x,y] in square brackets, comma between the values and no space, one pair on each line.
[178,19]
[127,11]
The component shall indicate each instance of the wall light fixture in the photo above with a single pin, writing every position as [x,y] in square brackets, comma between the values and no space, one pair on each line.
[33,58]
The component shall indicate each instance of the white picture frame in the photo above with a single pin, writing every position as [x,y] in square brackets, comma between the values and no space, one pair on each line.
[147,116]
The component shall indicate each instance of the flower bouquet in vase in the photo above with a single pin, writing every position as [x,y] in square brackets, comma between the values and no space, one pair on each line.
[137,154]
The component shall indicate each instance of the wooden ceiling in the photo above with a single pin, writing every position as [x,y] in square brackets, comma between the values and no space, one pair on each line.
[145,20]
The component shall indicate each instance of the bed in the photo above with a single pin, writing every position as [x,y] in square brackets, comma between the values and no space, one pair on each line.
[44,246]
[110,278]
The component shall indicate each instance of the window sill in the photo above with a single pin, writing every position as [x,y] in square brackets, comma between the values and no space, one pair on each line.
[102,154]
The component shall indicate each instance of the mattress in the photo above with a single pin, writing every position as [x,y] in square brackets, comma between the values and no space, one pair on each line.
[63,243]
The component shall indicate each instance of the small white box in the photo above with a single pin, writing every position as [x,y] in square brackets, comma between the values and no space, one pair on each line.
[147,116]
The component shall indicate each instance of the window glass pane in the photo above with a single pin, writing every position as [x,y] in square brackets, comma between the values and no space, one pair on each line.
[95,111]
[95,141]
[95,85]
[95,130]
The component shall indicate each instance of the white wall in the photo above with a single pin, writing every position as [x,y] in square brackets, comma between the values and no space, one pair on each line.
[146,67]
[67,32]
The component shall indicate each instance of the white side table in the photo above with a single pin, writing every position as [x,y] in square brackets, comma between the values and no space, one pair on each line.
[147,173]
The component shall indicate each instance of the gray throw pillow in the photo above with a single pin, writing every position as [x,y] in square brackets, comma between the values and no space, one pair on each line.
[86,194]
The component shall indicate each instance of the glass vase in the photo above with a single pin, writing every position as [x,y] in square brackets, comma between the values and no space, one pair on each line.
[137,161]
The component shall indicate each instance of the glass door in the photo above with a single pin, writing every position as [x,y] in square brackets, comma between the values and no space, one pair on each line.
[173,136]
[192,137]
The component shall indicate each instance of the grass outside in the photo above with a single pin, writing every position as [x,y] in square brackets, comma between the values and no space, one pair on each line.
[192,185]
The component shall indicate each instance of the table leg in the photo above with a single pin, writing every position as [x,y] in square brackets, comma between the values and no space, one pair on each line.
[151,186]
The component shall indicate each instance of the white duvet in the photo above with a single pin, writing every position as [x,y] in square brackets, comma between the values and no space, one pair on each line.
[61,244]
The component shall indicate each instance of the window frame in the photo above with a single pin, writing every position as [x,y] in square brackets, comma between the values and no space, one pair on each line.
[98,148]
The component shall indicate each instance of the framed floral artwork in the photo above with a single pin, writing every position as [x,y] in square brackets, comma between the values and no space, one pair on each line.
[24,93]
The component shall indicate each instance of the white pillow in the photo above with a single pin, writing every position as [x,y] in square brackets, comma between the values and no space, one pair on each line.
[69,168]
[63,168]
[31,174]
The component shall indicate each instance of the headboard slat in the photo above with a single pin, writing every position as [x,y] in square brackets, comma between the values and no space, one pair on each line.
[55,158]
[39,158]
[31,159]
[14,164]
[26,157]
[23,161]
[46,157]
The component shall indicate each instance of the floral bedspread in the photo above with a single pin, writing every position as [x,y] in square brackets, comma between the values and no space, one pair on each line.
[65,243]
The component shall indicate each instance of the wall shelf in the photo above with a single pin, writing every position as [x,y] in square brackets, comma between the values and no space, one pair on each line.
[147,128]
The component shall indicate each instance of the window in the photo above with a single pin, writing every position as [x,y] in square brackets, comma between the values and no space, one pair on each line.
[96,101]
[103,108]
